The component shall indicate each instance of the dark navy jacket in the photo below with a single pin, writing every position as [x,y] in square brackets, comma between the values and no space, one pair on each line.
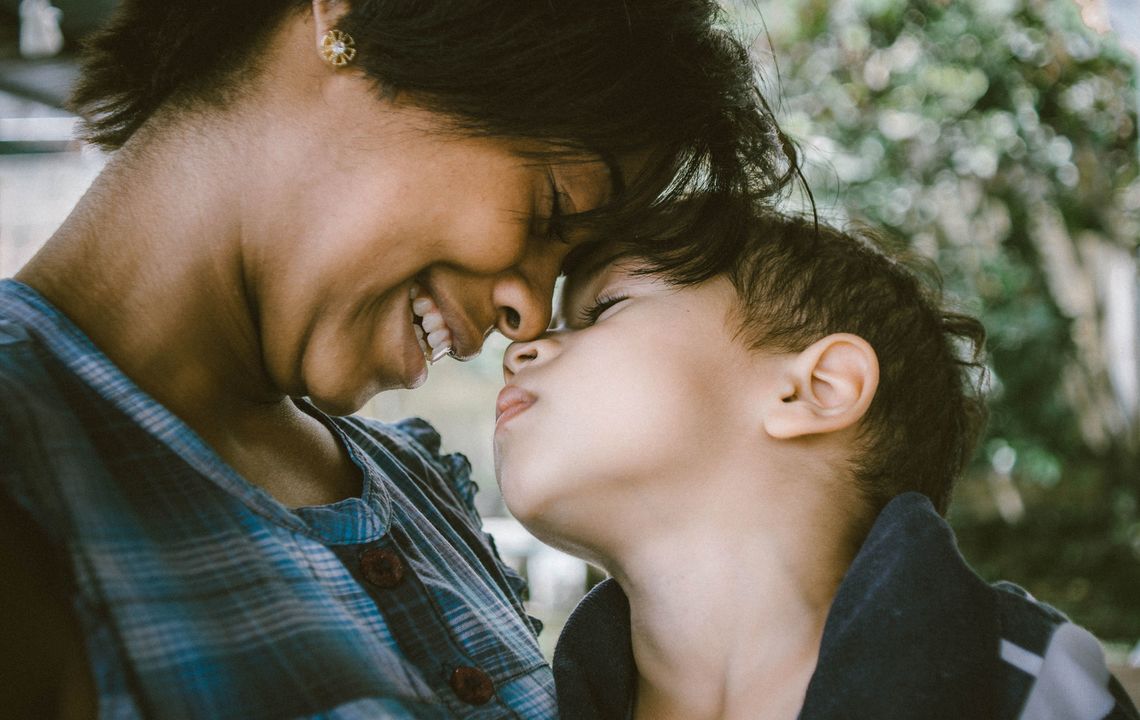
[912,633]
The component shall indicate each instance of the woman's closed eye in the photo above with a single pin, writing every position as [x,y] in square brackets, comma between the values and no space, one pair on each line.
[555,224]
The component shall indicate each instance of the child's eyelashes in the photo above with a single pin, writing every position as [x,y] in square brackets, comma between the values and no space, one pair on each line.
[592,313]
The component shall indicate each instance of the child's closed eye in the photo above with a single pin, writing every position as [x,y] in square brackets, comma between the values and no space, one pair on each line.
[593,313]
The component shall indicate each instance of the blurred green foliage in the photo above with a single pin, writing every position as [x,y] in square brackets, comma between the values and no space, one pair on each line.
[999,138]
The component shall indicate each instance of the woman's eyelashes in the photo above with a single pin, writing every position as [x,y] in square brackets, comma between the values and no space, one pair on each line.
[555,223]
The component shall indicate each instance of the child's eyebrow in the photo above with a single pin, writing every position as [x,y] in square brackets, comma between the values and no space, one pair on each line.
[576,285]
[582,265]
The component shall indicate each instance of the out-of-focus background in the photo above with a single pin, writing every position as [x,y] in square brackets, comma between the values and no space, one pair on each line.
[999,138]
[996,137]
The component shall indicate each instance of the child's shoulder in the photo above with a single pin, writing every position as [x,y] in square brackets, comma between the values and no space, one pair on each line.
[1024,615]
[910,590]
[1046,659]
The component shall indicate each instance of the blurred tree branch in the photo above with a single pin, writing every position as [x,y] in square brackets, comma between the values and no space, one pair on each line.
[999,138]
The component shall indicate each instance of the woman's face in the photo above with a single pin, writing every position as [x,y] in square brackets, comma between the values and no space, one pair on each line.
[377,199]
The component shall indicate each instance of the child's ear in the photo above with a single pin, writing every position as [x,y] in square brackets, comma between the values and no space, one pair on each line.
[826,387]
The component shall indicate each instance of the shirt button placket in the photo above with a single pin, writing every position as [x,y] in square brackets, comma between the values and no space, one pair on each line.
[472,685]
[382,567]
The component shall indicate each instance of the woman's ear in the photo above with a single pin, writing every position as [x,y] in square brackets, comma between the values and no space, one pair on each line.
[826,387]
[326,14]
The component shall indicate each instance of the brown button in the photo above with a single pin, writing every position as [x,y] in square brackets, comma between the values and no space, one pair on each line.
[382,567]
[472,685]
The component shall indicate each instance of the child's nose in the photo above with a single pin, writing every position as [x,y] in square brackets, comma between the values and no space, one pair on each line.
[522,354]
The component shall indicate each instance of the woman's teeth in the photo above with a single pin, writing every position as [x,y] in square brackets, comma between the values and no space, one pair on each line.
[431,331]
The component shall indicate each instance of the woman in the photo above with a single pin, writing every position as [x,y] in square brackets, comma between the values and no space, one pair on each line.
[307,203]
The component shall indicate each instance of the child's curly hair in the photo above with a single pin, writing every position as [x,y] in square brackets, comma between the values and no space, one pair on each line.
[799,280]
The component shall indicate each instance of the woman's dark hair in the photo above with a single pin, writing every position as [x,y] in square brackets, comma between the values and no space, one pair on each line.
[652,78]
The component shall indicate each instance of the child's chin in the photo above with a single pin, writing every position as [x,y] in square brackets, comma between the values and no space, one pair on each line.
[519,491]
[537,515]
[556,517]
[527,510]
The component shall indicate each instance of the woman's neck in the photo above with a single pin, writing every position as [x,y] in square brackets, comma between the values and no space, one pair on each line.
[148,265]
[727,616]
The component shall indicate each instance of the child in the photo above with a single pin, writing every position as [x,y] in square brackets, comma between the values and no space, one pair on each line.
[761,458]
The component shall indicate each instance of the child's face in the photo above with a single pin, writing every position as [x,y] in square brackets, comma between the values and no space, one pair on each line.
[624,409]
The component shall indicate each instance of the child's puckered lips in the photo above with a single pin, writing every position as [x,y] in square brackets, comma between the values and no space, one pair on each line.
[512,401]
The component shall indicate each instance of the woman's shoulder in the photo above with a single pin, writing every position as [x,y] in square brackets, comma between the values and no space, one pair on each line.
[33,412]
[30,374]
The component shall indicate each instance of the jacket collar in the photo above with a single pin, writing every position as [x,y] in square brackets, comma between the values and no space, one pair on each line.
[912,632]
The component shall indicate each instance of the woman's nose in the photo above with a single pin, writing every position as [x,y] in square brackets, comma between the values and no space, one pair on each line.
[522,296]
[522,310]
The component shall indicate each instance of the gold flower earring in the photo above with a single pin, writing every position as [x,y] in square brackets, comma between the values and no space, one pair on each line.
[338,48]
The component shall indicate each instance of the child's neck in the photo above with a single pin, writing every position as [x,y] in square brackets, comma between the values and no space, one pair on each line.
[727,616]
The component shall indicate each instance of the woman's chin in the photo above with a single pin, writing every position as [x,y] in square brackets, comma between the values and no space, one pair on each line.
[348,399]
[339,401]
[336,406]
[417,380]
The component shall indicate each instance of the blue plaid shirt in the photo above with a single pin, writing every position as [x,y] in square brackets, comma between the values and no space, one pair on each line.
[202,596]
